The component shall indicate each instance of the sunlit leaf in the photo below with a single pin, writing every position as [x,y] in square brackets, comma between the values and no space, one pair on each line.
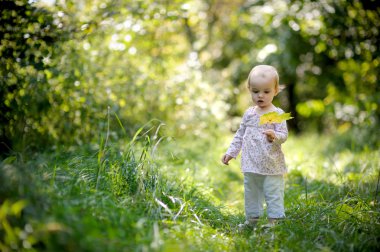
[18,207]
[344,211]
[274,117]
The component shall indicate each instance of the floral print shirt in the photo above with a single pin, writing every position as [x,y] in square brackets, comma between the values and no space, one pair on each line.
[258,154]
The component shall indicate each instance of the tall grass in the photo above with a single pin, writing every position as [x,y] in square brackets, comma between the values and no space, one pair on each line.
[113,199]
[331,197]
[154,193]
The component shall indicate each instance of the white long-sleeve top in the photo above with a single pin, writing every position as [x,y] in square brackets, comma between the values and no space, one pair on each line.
[258,154]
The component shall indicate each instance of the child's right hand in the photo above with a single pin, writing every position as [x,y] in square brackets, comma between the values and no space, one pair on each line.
[226,158]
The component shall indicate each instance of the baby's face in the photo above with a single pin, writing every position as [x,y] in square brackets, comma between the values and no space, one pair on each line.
[262,91]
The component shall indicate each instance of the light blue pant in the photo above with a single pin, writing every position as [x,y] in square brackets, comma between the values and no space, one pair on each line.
[256,188]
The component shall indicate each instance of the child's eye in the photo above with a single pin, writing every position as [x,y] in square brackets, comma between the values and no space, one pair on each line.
[267,92]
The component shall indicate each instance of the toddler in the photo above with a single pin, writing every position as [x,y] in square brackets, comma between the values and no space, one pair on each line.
[262,160]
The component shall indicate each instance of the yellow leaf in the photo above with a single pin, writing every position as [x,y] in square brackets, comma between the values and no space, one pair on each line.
[274,117]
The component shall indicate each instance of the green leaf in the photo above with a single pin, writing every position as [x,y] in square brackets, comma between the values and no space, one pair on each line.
[344,211]
[18,206]
[9,160]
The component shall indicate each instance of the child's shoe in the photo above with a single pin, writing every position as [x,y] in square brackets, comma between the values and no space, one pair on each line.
[248,224]
[269,225]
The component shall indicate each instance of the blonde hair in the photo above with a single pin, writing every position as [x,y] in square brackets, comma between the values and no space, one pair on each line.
[261,72]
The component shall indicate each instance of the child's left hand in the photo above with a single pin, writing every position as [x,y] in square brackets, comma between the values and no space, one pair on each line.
[271,136]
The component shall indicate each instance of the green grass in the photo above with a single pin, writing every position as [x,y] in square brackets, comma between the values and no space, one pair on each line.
[175,195]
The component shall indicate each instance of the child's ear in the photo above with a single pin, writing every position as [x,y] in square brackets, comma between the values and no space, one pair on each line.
[276,91]
[279,89]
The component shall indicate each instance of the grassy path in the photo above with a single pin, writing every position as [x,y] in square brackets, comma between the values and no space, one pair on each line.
[176,196]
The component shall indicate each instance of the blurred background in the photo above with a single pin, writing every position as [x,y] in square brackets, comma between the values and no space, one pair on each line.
[68,65]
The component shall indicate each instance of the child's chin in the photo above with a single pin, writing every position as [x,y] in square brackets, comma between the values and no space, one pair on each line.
[260,104]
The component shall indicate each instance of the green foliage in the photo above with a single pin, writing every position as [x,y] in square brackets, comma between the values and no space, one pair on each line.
[325,52]
[66,66]
[128,57]
[118,196]
[14,237]
[27,38]
[76,68]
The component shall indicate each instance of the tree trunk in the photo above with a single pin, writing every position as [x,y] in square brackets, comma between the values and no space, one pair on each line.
[292,100]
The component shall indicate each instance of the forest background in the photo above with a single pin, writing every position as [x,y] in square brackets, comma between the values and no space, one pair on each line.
[82,76]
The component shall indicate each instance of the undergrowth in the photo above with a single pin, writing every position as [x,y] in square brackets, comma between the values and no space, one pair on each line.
[162,194]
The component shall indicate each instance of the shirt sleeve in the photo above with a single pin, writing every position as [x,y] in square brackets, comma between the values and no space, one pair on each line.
[281,132]
[237,141]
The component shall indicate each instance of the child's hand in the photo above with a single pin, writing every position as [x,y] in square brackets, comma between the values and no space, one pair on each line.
[226,158]
[271,136]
